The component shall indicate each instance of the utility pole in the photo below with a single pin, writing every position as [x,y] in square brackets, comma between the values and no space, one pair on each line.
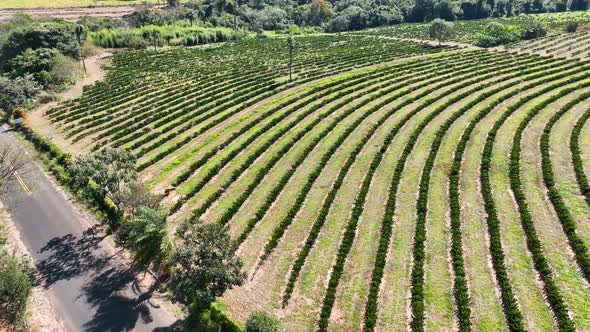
[290,41]
[79,32]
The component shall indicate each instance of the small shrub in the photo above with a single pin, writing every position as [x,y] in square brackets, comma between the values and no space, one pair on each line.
[15,289]
[260,321]
[571,26]
[535,30]
[497,34]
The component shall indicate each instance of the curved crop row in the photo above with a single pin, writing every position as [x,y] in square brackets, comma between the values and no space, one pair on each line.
[460,286]
[514,317]
[260,174]
[565,217]
[286,221]
[318,223]
[348,237]
[204,179]
[581,177]
[460,291]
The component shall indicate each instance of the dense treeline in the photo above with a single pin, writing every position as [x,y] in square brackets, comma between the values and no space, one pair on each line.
[35,57]
[342,15]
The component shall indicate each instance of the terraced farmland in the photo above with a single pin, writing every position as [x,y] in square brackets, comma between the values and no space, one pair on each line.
[569,45]
[389,186]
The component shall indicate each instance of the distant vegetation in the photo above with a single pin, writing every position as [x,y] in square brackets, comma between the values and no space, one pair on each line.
[493,31]
[71,3]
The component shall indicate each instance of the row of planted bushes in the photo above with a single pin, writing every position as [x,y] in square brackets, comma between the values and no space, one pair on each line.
[260,174]
[277,189]
[511,311]
[187,116]
[354,60]
[417,276]
[577,156]
[318,224]
[565,217]
[241,103]
[271,90]
[194,166]
[460,291]
[274,88]
[172,35]
[460,285]
[358,208]
[360,82]
[286,221]
[351,229]
[164,113]
[332,87]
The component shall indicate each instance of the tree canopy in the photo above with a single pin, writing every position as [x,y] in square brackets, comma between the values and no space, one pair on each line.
[441,30]
[204,264]
[111,170]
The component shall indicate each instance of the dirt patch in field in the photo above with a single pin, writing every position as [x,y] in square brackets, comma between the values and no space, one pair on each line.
[69,14]
[38,119]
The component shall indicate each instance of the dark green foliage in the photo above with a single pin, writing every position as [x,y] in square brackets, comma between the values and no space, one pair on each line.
[212,319]
[497,34]
[441,30]
[204,265]
[571,26]
[111,170]
[145,234]
[55,35]
[580,5]
[15,289]
[534,30]
[260,321]
[18,92]
[577,161]
[36,62]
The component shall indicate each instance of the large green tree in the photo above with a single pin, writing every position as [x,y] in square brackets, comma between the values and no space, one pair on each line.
[204,265]
[147,237]
[441,30]
[111,170]
[17,92]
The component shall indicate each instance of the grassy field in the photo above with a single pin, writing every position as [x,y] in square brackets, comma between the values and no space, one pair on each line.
[389,185]
[30,4]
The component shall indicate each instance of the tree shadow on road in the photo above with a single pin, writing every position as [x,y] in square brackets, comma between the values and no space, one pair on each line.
[107,284]
[118,308]
[68,257]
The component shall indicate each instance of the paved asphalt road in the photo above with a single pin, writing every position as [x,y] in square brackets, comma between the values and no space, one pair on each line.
[88,288]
